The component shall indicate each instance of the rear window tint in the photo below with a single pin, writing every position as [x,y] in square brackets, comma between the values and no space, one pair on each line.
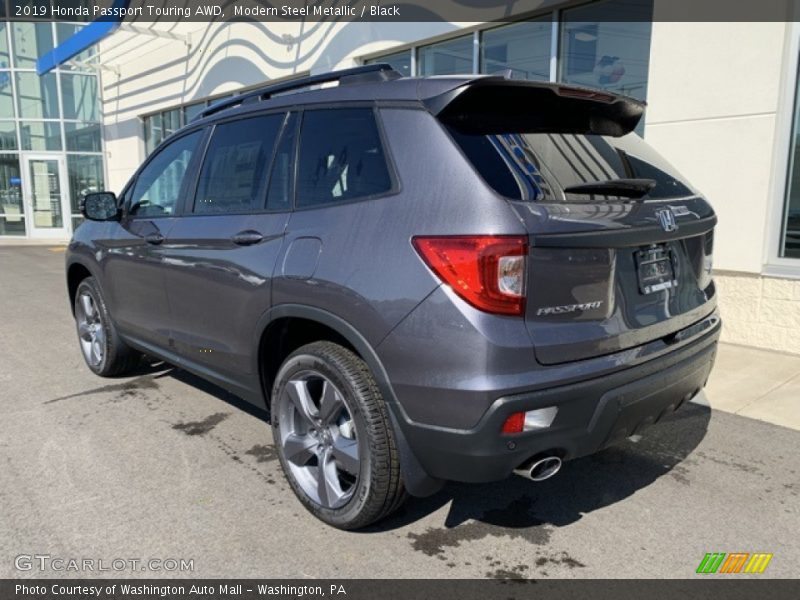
[538,166]
[340,157]
[234,173]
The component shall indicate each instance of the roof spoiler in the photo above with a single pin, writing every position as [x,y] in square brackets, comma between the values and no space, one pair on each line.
[495,105]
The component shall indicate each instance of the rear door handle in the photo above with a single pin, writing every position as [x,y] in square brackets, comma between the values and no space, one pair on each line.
[247,238]
[154,238]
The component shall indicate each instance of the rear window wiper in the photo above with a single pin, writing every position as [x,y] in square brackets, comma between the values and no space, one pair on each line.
[627,188]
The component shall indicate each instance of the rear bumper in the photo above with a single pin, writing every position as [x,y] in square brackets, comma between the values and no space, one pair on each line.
[592,414]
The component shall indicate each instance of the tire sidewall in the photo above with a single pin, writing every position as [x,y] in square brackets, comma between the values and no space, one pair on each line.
[309,361]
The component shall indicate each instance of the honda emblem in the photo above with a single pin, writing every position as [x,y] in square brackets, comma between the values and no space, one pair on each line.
[667,219]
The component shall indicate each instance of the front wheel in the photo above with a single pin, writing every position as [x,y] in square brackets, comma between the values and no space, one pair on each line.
[103,350]
[334,438]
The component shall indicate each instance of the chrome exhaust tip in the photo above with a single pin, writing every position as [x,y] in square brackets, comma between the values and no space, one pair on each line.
[539,469]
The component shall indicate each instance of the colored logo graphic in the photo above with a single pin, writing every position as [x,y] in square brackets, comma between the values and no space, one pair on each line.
[735,562]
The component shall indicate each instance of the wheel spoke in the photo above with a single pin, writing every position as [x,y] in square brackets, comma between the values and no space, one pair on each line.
[328,486]
[299,448]
[88,306]
[330,404]
[345,451]
[298,392]
[84,331]
[97,352]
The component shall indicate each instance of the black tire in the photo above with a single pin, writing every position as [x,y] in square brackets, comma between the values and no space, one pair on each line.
[117,358]
[378,489]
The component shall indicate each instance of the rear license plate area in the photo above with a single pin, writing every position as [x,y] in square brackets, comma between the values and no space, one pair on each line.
[656,269]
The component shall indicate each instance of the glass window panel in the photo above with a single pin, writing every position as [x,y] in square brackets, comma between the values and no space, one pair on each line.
[79,97]
[12,225]
[6,96]
[340,158]
[400,61]
[160,183]
[85,176]
[790,240]
[4,59]
[83,137]
[12,212]
[40,135]
[153,132]
[37,97]
[524,48]
[8,135]
[31,40]
[45,184]
[234,174]
[192,110]
[171,121]
[446,58]
[598,52]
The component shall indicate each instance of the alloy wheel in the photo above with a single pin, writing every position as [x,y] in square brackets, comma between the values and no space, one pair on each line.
[318,439]
[90,329]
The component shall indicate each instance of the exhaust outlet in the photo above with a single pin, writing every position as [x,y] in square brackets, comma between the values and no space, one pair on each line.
[539,469]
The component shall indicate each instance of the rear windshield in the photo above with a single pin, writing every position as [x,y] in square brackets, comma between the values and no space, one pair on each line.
[539,166]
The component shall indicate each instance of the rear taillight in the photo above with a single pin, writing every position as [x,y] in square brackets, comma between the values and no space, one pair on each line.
[488,271]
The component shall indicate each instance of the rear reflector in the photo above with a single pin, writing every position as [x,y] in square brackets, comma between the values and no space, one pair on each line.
[514,423]
[539,418]
[488,271]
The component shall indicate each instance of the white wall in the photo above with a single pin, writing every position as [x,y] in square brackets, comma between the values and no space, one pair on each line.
[147,73]
[712,103]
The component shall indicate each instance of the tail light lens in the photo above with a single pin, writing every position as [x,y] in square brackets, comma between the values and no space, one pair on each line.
[488,271]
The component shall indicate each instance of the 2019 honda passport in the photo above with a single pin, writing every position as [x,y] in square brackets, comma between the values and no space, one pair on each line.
[423,279]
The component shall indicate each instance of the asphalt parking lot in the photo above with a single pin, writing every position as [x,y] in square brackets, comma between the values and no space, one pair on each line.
[162,465]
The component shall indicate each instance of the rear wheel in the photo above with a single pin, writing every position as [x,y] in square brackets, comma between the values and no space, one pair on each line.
[334,438]
[103,350]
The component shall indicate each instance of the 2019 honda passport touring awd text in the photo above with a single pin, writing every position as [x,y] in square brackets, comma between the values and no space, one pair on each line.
[423,280]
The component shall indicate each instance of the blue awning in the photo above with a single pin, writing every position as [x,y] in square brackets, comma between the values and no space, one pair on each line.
[83,39]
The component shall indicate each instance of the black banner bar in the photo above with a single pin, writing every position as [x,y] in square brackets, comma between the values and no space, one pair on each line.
[174,11]
[729,588]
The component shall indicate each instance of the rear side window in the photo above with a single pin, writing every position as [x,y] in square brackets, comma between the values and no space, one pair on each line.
[340,157]
[539,166]
[235,169]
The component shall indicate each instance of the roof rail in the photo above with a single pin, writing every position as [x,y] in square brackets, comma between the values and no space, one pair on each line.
[362,74]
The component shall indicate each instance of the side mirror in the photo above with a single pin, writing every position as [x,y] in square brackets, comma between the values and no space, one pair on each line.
[100,206]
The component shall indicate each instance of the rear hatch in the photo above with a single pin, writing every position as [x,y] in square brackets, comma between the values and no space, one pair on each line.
[620,245]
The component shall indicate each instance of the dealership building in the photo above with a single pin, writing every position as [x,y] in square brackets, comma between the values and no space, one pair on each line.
[722,108]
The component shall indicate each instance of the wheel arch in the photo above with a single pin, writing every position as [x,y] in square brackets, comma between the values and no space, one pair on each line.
[77,271]
[417,481]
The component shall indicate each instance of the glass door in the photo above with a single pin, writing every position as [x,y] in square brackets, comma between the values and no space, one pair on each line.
[45,191]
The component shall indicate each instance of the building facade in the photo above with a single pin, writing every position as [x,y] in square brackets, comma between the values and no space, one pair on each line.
[51,148]
[722,107]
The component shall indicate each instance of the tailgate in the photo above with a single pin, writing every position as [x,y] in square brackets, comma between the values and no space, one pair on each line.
[620,244]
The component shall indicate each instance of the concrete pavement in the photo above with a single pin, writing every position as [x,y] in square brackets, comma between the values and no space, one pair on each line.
[162,465]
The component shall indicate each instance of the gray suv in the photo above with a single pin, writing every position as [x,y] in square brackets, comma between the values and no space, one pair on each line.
[422,279]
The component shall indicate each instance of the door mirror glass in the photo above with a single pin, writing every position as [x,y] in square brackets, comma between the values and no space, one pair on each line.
[100,206]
